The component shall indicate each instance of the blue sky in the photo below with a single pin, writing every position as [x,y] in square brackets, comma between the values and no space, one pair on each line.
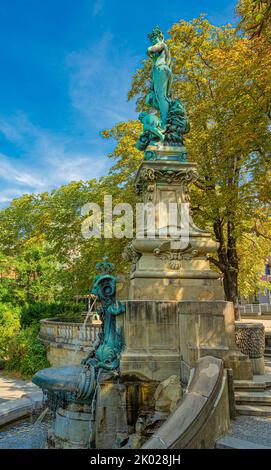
[66,67]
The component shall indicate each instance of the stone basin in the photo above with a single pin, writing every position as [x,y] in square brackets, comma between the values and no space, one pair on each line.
[67,384]
[59,378]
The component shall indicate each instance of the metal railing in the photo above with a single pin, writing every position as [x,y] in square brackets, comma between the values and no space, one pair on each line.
[257,309]
[87,300]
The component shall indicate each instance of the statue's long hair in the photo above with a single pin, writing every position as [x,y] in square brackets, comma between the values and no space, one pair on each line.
[156,33]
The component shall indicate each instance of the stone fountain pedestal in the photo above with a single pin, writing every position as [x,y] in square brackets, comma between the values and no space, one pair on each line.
[165,338]
[176,312]
[171,262]
[175,315]
[110,416]
[73,428]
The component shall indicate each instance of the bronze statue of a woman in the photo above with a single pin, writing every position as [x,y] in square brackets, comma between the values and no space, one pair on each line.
[158,96]
[168,126]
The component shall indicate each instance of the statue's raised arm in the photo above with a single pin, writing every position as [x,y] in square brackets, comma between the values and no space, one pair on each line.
[160,47]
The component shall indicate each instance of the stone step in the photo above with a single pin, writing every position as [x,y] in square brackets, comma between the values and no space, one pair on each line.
[254,410]
[229,442]
[247,398]
[249,385]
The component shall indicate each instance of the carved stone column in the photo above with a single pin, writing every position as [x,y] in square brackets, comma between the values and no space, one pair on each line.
[164,268]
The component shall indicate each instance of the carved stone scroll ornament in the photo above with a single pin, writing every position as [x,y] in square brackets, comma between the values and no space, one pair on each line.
[130,254]
[149,176]
[146,183]
[174,258]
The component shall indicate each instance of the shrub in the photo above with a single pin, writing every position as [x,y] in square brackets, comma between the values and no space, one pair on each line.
[37,310]
[9,326]
[26,354]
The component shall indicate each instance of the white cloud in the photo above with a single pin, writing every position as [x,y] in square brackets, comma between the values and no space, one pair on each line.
[47,160]
[8,194]
[41,160]
[77,167]
[99,82]
[12,171]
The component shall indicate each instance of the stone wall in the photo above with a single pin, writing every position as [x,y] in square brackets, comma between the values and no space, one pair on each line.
[167,338]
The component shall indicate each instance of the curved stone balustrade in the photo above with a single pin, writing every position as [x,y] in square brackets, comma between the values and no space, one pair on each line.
[203,414]
[67,342]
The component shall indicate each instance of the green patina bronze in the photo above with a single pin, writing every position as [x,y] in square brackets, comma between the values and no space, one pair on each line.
[152,131]
[64,385]
[106,354]
[158,96]
[169,128]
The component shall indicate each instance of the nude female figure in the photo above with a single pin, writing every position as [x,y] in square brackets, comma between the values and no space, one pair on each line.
[158,96]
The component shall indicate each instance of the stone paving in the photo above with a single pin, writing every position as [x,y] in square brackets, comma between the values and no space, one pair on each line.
[254,429]
[11,388]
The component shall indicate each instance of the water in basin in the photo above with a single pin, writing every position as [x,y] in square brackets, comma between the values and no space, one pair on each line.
[26,433]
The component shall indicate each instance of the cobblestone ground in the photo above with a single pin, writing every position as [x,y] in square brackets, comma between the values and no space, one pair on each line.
[252,428]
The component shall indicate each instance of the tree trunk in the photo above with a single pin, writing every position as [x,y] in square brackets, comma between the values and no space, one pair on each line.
[230,282]
[225,233]
[228,263]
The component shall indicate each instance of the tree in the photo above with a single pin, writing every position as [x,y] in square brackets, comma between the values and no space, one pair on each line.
[29,276]
[9,326]
[226,86]
[224,80]
[253,251]
[255,17]
[43,247]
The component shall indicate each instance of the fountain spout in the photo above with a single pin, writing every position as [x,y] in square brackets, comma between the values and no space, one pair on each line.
[71,390]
